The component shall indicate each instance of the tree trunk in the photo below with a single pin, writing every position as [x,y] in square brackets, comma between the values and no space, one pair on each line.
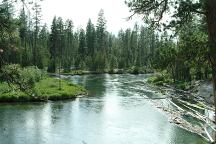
[211,21]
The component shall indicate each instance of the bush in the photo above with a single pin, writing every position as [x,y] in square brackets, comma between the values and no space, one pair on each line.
[32,74]
[19,78]
[133,70]
[156,78]
[111,71]
[159,80]
[182,85]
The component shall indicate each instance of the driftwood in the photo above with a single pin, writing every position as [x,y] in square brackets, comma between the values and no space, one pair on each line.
[208,122]
[183,123]
[179,95]
[209,136]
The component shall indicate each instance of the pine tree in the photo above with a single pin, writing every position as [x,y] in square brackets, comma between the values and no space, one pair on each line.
[43,52]
[23,34]
[100,31]
[90,38]
[53,46]
[82,48]
[69,49]
[37,19]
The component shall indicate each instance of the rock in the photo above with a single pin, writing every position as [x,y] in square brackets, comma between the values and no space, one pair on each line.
[205,90]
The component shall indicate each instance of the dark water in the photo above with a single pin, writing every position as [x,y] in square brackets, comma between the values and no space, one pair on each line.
[115,112]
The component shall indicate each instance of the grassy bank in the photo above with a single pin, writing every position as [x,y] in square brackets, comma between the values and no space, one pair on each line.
[45,89]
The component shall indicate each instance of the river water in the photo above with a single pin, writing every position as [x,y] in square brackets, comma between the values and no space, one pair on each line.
[115,112]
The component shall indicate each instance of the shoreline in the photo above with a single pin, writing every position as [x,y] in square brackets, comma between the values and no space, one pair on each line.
[45,90]
[176,116]
[116,71]
[42,100]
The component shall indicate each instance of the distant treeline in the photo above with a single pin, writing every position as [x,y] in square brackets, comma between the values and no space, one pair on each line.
[24,41]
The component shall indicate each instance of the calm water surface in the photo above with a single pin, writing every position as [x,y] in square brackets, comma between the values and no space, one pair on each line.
[115,112]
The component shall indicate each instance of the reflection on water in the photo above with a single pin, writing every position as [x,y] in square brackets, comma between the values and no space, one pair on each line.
[115,112]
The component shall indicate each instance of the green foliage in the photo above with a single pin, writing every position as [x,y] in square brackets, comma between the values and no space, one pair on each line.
[157,80]
[32,74]
[134,70]
[90,38]
[194,23]
[160,80]
[183,11]
[182,85]
[21,79]
[187,59]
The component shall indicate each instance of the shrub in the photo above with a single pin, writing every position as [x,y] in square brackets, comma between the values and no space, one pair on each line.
[159,80]
[32,74]
[133,70]
[155,79]
[19,78]
[182,85]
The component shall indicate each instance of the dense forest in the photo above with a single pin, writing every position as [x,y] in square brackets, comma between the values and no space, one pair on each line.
[25,41]
[93,48]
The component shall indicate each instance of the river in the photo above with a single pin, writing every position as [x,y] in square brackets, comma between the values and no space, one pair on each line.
[115,112]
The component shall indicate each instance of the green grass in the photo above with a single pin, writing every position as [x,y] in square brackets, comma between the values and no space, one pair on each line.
[46,89]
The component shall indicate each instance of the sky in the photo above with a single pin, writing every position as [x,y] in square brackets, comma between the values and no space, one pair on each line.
[79,11]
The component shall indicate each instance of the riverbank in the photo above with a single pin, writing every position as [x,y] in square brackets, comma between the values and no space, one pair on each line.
[191,109]
[198,92]
[112,71]
[44,90]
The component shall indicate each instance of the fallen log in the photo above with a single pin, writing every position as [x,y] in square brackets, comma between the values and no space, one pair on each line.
[209,136]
